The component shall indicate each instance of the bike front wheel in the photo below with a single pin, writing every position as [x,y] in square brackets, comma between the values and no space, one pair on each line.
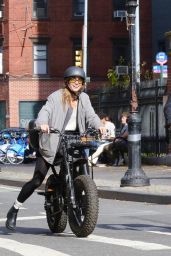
[13,157]
[83,218]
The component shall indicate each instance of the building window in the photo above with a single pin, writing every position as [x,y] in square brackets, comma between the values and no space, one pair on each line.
[119,9]
[119,4]
[39,9]
[78,8]
[120,50]
[78,58]
[28,110]
[78,53]
[1,8]
[40,59]
[161,46]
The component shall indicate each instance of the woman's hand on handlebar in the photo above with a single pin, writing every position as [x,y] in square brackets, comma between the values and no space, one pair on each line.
[45,128]
[102,130]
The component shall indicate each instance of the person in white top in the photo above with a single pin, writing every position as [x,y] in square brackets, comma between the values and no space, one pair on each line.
[106,139]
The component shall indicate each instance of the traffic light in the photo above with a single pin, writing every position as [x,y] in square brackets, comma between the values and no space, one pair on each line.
[79,58]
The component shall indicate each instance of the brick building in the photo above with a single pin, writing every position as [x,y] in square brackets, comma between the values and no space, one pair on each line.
[39,39]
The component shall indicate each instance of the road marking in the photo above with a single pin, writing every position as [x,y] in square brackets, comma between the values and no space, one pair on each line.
[10,188]
[43,213]
[139,245]
[160,233]
[144,246]
[28,249]
[26,218]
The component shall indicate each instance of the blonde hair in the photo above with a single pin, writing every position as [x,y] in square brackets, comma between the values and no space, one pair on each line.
[126,114]
[66,97]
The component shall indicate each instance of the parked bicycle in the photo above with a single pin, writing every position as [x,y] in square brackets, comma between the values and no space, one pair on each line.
[5,140]
[14,146]
[19,150]
[70,193]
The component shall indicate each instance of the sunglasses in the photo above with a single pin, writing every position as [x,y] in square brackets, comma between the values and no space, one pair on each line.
[74,79]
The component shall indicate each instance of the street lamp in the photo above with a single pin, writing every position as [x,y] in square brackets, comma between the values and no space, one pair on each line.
[134,176]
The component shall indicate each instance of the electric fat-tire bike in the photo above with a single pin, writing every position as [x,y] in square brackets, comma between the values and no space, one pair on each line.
[70,193]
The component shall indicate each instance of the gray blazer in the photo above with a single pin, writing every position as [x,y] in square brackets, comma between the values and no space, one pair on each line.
[53,113]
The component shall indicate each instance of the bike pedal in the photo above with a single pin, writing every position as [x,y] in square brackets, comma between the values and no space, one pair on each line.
[41,193]
[45,193]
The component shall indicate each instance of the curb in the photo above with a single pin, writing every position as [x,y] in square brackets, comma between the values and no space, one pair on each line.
[134,197]
[110,194]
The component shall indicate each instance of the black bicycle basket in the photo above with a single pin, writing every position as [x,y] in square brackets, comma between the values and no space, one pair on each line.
[76,144]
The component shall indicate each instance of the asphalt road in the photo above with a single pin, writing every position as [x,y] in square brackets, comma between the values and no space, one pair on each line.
[123,228]
[108,180]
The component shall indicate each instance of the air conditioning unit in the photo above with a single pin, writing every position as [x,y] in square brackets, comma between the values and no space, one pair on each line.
[119,14]
[122,70]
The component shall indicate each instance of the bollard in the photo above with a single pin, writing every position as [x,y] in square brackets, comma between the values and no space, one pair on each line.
[134,176]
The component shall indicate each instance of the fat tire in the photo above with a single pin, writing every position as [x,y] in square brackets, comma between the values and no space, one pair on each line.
[56,219]
[85,189]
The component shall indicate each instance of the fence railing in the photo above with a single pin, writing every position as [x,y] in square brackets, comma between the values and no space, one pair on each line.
[114,101]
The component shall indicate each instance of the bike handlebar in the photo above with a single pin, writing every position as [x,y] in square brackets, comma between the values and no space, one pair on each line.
[89,131]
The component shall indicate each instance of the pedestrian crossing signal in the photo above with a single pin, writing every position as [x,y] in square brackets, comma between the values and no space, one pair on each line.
[78,58]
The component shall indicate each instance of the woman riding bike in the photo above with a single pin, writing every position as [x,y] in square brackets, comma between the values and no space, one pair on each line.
[70,102]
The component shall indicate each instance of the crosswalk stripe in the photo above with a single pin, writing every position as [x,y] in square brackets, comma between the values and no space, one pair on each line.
[160,233]
[26,218]
[139,245]
[28,249]
[9,188]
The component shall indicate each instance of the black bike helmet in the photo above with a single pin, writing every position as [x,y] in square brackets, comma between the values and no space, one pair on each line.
[74,71]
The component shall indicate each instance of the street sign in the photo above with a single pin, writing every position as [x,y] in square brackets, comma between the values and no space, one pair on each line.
[161,58]
[157,70]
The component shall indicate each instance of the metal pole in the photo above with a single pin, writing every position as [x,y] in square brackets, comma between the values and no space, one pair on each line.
[133,66]
[134,176]
[85,38]
[157,121]
[161,75]
[137,42]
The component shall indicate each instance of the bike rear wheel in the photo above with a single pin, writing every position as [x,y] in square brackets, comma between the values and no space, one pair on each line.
[13,157]
[83,218]
[54,206]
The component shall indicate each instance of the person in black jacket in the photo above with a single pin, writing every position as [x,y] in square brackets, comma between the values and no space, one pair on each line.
[120,143]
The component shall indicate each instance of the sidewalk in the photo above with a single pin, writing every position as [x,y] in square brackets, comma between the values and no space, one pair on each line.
[107,180]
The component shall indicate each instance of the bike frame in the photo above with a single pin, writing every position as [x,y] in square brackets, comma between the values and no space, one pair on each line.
[67,165]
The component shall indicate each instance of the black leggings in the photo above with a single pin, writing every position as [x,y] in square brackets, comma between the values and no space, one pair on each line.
[40,172]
